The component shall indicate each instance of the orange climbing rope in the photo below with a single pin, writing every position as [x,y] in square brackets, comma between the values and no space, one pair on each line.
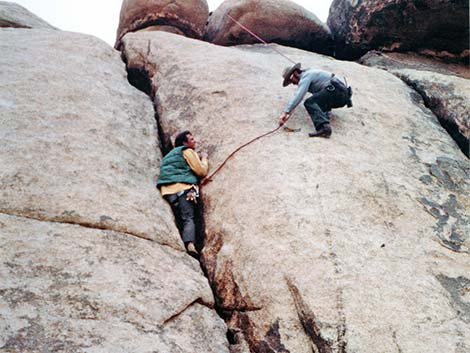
[260,39]
[209,178]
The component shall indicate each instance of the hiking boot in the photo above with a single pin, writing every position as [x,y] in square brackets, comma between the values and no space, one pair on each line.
[323,131]
[191,249]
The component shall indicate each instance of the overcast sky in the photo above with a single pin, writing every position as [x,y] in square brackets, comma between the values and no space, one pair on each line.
[100,17]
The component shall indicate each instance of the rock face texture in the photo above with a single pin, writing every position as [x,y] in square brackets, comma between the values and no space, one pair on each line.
[71,289]
[443,92]
[357,243]
[398,61]
[282,22]
[14,15]
[439,28]
[90,258]
[186,17]
[70,153]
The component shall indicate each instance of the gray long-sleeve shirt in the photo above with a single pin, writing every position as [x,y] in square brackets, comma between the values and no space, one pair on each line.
[311,80]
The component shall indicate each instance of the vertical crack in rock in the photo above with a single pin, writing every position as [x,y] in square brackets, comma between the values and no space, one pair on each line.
[226,290]
[140,76]
[165,143]
[234,307]
[438,109]
[309,321]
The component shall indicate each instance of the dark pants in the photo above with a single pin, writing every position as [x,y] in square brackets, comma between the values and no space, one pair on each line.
[184,211]
[335,95]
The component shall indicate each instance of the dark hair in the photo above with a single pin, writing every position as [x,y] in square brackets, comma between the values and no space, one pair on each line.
[181,138]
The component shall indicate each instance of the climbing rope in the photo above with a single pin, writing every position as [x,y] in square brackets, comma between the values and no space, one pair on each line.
[209,178]
[260,39]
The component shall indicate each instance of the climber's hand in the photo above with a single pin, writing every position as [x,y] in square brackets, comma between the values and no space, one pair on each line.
[283,118]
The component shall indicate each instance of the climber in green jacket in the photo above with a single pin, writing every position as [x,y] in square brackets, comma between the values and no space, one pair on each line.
[180,172]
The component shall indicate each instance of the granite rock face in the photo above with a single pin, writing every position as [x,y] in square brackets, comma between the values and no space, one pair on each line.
[71,289]
[439,28]
[282,22]
[187,17]
[14,15]
[447,97]
[444,88]
[90,257]
[81,151]
[357,243]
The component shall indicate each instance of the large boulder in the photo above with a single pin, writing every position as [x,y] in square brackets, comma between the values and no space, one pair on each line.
[79,143]
[357,243]
[14,15]
[272,20]
[443,91]
[180,16]
[439,28]
[90,257]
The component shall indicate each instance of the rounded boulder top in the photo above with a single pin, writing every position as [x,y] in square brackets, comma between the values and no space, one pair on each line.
[433,28]
[186,16]
[278,21]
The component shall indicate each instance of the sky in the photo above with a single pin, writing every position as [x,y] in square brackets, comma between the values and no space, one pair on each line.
[101,17]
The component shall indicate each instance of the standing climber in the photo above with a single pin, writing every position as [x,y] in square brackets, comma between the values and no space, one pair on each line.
[327,90]
[180,172]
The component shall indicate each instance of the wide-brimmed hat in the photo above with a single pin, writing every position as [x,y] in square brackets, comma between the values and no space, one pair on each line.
[288,71]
